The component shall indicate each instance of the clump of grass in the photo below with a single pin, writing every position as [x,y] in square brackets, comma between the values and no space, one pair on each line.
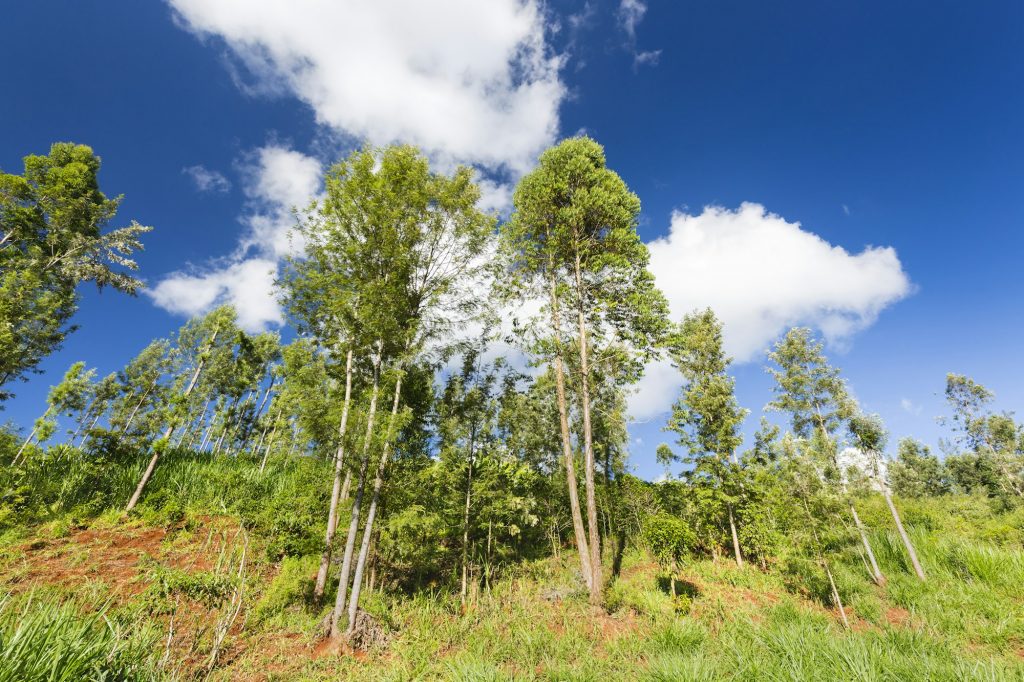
[49,640]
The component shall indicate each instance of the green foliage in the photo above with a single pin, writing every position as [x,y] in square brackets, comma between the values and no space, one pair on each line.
[46,640]
[52,239]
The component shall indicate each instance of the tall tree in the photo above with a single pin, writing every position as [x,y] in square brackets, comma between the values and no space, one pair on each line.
[994,437]
[197,343]
[52,221]
[815,396]
[869,436]
[707,416]
[573,236]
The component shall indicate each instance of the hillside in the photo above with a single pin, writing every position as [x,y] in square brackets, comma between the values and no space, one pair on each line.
[173,580]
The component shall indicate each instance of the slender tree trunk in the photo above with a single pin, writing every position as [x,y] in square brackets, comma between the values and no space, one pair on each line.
[24,445]
[570,467]
[588,449]
[903,533]
[332,514]
[465,518]
[378,483]
[877,575]
[353,525]
[835,594]
[735,538]
[138,406]
[167,435]
[270,441]
[824,565]
[86,434]
[85,418]
[876,572]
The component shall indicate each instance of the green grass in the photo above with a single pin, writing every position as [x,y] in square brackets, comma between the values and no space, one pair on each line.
[52,641]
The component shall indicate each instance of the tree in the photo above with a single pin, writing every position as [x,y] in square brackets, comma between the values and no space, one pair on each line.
[707,417]
[993,437]
[392,245]
[869,436]
[669,539]
[197,343]
[52,219]
[916,472]
[814,395]
[573,234]
[70,395]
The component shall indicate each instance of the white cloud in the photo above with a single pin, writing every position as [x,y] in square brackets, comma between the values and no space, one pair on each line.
[762,275]
[469,81]
[631,13]
[277,179]
[207,180]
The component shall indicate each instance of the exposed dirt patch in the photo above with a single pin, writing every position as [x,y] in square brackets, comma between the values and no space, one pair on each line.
[897,617]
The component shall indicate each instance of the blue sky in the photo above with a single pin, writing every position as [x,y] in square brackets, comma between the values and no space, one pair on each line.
[872,124]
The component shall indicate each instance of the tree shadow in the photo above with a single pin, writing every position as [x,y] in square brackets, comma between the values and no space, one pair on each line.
[683,587]
[620,549]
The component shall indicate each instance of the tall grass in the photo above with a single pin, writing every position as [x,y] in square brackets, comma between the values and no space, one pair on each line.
[47,640]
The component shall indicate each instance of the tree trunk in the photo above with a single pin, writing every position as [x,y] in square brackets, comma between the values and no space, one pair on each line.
[332,514]
[588,450]
[877,575]
[835,594]
[86,434]
[735,539]
[570,467]
[903,533]
[270,441]
[167,435]
[135,411]
[357,501]
[876,572]
[465,518]
[25,444]
[378,483]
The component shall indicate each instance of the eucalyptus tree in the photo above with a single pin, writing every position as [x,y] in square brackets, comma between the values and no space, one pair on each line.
[995,437]
[811,391]
[388,254]
[437,249]
[197,343]
[100,396]
[869,437]
[466,420]
[707,416]
[141,388]
[916,472]
[52,221]
[69,396]
[573,235]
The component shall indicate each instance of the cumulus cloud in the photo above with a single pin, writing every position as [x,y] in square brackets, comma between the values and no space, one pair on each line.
[277,179]
[207,180]
[762,274]
[469,81]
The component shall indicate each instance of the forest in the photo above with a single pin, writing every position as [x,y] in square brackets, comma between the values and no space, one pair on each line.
[425,474]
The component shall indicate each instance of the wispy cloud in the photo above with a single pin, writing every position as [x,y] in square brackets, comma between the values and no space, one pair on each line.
[630,14]
[207,180]
[910,407]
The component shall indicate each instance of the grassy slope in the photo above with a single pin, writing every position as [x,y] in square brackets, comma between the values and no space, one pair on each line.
[967,622]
